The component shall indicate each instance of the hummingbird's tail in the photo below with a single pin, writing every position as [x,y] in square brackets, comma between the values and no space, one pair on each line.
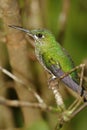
[70,83]
[75,87]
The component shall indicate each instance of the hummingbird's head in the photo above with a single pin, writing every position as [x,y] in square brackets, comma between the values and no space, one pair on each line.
[41,36]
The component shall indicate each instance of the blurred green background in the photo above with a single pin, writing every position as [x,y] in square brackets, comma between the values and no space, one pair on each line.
[67,20]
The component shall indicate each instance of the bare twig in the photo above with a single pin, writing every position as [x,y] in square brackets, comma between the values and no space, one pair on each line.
[16,103]
[79,109]
[65,116]
[53,84]
[63,20]
[72,70]
[82,74]
[6,72]
[6,121]
[40,100]
[17,50]
[33,14]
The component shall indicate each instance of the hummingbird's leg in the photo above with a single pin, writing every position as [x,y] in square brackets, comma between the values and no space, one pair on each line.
[53,79]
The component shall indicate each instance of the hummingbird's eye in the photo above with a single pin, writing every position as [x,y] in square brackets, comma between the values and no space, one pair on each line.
[39,35]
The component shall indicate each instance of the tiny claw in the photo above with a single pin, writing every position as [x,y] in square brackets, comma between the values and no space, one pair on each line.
[51,79]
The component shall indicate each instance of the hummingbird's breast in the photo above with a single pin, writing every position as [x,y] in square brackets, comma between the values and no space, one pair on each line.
[39,54]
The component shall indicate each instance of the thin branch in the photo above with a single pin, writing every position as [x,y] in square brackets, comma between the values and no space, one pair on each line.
[63,20]
[16,103]
[72,70]
[82,75]
[6,72]
[79,109]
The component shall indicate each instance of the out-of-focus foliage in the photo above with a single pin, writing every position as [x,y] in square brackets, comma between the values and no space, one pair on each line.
[76,29]
[76,33]
[74,40]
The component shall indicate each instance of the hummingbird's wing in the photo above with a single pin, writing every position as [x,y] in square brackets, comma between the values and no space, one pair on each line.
[54,67]
[66,80]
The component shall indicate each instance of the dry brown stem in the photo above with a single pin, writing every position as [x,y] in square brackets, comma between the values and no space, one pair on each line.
[17,50]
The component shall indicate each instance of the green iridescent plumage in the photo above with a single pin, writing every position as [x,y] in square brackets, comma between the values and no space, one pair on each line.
[53,57]
[52,53]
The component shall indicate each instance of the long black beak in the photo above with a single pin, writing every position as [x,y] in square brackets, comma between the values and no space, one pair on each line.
[22,29]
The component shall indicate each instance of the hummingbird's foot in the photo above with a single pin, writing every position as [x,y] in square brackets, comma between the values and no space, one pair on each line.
[51,80]
[54,80]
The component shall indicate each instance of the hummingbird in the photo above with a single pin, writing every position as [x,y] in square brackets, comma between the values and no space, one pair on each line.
[54,58]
